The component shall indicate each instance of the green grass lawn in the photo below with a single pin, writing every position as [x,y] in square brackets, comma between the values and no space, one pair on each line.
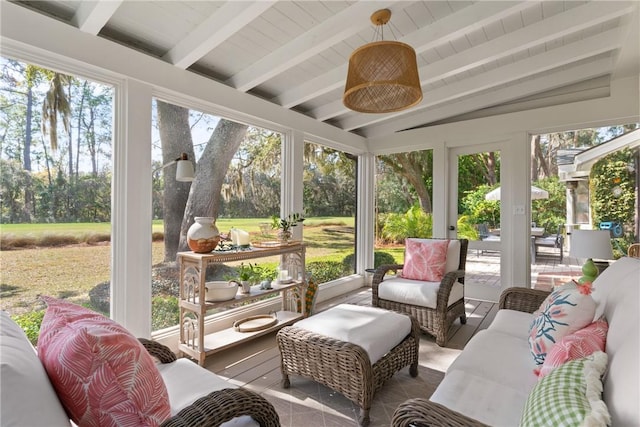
[71,269]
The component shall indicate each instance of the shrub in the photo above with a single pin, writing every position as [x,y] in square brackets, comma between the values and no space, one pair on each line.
[466,228]
[550,213]
[414,223]
[379,258]
[324,271]
[165,312]
[479,210]
[612,189]
[30,323]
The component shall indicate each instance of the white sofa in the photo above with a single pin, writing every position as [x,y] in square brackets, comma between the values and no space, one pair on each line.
[27,397]
[491,379]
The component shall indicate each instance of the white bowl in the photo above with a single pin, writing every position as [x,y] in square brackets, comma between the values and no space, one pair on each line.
[220,291]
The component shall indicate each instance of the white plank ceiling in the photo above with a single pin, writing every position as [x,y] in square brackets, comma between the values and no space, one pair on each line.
[473,57]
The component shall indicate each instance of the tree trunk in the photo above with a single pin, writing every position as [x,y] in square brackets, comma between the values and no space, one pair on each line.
[175,139]
[540,159]
[205,195]
[29,207]
[412,166]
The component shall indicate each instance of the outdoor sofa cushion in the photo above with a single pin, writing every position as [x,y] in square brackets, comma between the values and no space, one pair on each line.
[425,260]
[492,378]
[580,344]
[102,374]
[565,311]
[25,382]
[571,395]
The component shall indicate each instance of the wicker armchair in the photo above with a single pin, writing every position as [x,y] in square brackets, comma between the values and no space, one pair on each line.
[420,412]
[434,321]
[219,406]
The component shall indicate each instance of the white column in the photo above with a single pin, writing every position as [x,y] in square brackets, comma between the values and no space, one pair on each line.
[365,213]
[131,210]
[515,213]
[291,185]
[439,205]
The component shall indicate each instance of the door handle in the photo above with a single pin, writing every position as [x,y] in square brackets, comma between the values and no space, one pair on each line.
[451,227]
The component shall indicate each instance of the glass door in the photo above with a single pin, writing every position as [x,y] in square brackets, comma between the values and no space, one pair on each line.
[473,214]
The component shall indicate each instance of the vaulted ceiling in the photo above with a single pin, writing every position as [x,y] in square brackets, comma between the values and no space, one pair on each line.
[474,58]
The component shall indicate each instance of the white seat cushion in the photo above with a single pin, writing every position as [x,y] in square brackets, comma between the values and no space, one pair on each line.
[416,292]
[481,398]
[186,382]
[374,329]
[512,322]
[491,379]
[500,358]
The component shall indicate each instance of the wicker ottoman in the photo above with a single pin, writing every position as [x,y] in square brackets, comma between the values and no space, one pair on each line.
[336,347]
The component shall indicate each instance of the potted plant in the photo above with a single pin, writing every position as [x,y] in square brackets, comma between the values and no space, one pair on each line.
[248,275]
[283,225]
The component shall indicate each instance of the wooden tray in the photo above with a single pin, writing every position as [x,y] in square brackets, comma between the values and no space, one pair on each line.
[255,323]
[274,244]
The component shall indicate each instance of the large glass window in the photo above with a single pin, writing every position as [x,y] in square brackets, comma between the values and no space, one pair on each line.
[237,181]
[404,191]
[55,190]
[585,188]
[330,207]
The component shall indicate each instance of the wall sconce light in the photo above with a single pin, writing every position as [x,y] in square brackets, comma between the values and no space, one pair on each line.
[184,169]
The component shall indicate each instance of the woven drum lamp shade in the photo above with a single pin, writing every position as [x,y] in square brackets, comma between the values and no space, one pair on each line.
[382,78]
[383,75]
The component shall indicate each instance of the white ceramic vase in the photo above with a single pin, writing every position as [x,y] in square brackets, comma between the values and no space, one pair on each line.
[203,235]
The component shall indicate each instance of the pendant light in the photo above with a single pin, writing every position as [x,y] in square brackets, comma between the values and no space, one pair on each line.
[383,75]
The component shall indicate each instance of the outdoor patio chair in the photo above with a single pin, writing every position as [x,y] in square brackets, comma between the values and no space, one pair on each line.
[485,235]
[634,250]
[550,241]
[435,305]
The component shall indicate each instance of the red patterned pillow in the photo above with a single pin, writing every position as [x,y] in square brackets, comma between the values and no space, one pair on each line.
[101,373]
[580,344]
[425,259]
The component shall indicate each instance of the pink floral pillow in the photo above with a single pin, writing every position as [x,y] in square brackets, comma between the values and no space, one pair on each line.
[563,312]
[576,346]
[425,259]
[101,373]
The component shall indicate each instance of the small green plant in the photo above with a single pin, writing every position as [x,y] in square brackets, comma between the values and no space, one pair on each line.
[249,272]
[285,224]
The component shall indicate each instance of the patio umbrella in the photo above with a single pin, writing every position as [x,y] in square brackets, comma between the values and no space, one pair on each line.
[536,193]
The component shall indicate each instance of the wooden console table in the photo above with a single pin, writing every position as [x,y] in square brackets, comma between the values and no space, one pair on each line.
[193,266]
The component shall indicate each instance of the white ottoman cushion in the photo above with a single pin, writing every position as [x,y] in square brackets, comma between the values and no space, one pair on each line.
[374,329]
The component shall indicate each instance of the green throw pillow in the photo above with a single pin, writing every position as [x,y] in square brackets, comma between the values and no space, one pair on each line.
[571,395]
